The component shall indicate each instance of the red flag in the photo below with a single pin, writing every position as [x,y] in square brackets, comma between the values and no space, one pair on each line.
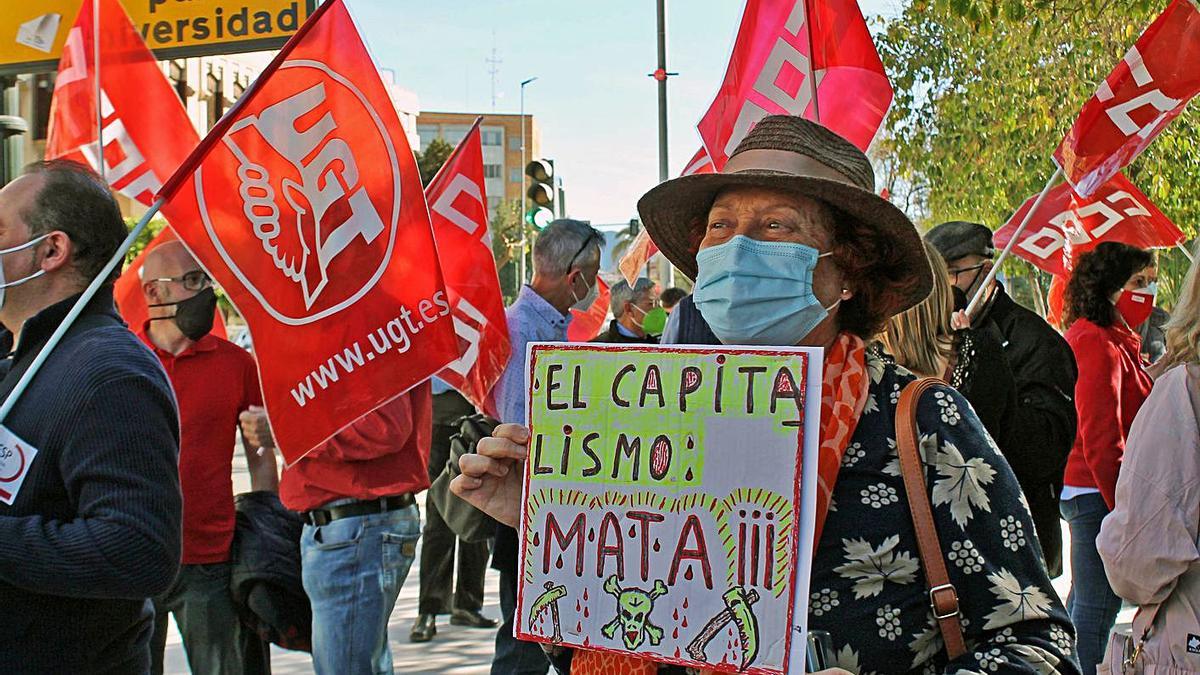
[1067,225]
[458,208]
[306,206]
[147,133]
[585,326]
[771,64]
[643,248]
[1149,88]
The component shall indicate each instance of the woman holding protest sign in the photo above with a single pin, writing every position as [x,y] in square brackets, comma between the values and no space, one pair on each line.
[790,245]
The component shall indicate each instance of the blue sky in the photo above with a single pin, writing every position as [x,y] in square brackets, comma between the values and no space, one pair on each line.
[595,105]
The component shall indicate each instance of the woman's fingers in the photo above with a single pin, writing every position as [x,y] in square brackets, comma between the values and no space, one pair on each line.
[502,448]
[512,432]
[478,466]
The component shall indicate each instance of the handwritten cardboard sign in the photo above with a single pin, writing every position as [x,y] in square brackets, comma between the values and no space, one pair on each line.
[663,503]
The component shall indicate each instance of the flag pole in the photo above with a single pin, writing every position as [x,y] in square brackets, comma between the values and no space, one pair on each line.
[812,58]
[76,310]
[1186,252]
[991,275]
[99,94]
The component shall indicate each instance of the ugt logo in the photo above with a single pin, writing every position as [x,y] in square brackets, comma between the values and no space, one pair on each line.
[318,186]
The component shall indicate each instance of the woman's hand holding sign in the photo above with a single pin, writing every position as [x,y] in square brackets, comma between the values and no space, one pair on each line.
[491,479]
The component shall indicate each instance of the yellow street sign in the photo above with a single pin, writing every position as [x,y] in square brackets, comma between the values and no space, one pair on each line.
[32,33]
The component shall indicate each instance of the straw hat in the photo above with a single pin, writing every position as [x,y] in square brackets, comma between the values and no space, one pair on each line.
[795,155]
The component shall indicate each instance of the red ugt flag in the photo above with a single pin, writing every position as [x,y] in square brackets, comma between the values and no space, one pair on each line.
[772,62]
[307,208]
[458,207]
[1067,225]
[147,134]
[1149,88]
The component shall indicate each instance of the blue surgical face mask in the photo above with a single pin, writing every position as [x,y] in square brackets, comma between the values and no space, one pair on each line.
[759,292]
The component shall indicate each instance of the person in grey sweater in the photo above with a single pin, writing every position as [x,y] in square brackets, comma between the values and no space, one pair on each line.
[90,505]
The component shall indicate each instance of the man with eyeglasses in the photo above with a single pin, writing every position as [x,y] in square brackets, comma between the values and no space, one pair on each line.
[214,381]
[566,260]
[89,495]
[1042,365]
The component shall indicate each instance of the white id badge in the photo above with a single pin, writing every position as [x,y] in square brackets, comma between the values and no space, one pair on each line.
[15,457]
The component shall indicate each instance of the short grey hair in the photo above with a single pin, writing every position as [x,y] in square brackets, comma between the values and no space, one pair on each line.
[560,242]
[622,293]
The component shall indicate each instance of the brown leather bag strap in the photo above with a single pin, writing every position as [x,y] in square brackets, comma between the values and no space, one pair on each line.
[943,598]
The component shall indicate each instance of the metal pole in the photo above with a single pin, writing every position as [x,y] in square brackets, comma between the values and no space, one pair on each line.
[666,269]
[812,71]
[991,275]
[99,91]
[1186,252]
[76,310]
[521,267]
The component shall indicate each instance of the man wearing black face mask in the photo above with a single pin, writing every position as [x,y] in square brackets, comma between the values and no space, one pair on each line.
[214,382]
[1042,365]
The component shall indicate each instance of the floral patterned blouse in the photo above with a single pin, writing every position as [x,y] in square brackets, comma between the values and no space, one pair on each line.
[868,588]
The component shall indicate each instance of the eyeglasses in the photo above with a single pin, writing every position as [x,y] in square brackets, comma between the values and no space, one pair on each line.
[965,269]
[196,280]
[592,235]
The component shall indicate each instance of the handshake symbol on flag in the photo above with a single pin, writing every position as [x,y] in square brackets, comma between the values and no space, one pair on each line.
[328,173]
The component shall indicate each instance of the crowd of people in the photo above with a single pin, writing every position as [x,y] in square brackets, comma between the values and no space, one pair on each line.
[127,513]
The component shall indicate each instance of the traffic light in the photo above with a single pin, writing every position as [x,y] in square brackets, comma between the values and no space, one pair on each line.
[541,193]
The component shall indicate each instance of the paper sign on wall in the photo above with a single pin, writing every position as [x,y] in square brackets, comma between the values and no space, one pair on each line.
[663,502]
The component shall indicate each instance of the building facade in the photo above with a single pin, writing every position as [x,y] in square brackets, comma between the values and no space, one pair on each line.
[503,168]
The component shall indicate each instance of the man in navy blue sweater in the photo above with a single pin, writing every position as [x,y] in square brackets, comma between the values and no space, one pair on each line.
[90,512]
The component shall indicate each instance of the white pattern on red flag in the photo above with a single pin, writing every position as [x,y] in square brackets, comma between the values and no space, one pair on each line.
[772,63]
[1067,225]
[457,200]
[308,210]
[147,133]
[1148,88]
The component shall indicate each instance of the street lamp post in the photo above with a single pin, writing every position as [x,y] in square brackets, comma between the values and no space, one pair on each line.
[524,230]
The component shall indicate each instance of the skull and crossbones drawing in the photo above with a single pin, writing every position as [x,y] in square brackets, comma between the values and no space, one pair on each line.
[633,613]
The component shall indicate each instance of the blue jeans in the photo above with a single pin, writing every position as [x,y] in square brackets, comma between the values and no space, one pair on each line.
[513,656]
[1092,604]
[353,569]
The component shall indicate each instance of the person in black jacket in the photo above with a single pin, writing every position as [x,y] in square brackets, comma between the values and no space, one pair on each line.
[922,340]
[90,507]
[630,305]
[1045,372]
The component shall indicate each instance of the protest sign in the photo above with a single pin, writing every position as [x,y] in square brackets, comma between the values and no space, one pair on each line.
[664,514]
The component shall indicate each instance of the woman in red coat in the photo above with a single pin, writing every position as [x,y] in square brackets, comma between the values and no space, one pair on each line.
[1109,296]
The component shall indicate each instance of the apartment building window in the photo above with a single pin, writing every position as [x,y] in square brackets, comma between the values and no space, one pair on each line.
[514,143]
[515,176]
[43,93]
[216,98]
[179,79]
[491,171]
[491,138]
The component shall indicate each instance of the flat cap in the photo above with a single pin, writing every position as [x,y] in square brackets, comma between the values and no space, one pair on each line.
[959,238]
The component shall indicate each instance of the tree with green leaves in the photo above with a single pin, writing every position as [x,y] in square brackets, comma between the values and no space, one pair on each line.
[431,159]
[985,91]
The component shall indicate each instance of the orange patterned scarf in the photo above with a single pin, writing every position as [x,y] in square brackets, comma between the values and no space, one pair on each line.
[843,398]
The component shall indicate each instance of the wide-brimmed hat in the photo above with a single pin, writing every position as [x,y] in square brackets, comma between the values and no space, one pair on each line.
[795,155]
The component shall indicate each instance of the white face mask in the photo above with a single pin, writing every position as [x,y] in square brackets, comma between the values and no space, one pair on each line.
[585,303]
[4,283]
